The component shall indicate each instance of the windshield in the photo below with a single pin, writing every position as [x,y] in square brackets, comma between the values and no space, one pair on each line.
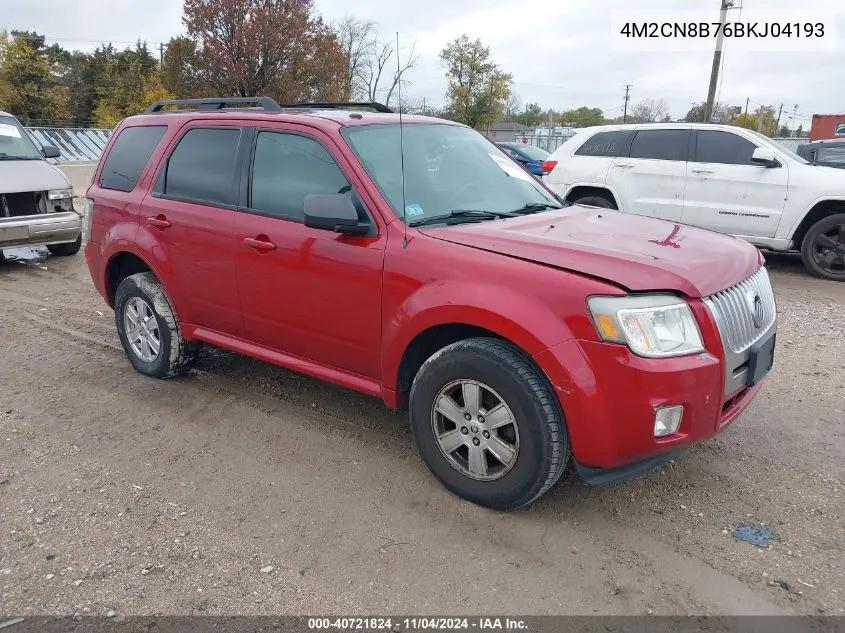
[447,168]
[532,151]
[780,148]
[14,141]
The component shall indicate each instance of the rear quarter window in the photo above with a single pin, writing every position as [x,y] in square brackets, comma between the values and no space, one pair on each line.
[609,144]
[128,154]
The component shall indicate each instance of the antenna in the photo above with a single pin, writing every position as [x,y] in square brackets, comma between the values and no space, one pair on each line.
[401,146]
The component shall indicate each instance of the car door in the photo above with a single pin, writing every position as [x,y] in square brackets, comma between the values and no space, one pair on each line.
[650,179]
[728,193]
[190,216]
[311,293]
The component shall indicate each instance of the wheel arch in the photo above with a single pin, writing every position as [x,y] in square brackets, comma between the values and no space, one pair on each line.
[602,191]
[820,210]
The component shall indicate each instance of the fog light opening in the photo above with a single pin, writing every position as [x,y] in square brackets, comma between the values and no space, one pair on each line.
[667,420]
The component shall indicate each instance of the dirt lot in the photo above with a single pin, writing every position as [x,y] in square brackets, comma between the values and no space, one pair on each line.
[126,494]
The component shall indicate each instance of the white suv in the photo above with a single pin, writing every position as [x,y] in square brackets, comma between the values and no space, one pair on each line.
[717,177]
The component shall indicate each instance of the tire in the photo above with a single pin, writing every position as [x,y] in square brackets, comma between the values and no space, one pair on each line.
[505,373]
[816,255]
[143,295]
[596,201]
[66,249]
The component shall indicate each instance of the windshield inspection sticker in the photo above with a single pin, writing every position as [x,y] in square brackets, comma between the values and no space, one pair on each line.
[9,130]
[414,210]
[510,168]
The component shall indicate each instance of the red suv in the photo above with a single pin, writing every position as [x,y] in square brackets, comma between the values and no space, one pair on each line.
[416,262]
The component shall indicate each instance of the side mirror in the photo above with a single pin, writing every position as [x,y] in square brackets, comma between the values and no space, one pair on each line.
[333,212]
[764,157]
[50,151]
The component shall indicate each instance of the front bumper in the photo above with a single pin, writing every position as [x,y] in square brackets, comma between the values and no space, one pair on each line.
[40,230]
[609,396]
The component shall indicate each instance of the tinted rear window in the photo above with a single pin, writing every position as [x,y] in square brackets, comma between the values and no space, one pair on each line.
[128,155]
[606,144]
[202,167]
[660,144]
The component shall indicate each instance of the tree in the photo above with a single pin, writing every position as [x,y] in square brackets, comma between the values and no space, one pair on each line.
[180,69]
[378,66]
[649,111]
[531,115]
[27,85]
[478,89]
[763,120]
[266,47]
[784,131]
[357,40]
[696,114]
[512,106]
[583,117]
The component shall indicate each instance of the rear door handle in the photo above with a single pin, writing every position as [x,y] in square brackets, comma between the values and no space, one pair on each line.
[261,243]
[623,165]
[702,171]
[160,221]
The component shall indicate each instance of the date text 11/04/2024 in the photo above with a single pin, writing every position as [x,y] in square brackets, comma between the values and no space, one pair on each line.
[410,624]
[729,29]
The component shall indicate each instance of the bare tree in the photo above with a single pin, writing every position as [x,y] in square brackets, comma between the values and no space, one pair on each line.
[649,111]
[379,73]
[357,39]
[513,106]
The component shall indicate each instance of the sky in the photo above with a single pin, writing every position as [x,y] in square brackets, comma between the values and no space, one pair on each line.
[560,52]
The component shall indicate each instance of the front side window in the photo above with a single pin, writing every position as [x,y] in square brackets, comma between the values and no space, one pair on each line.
[202,167]
[128,154]
[447,168]
[713,146]
[15,143]
[288,167]
[660,144]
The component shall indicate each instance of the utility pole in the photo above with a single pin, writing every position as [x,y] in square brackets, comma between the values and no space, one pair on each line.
[490,108]
[794,115]
[717,59]
[625,107]
[161,53]
[747,99]
[777,123]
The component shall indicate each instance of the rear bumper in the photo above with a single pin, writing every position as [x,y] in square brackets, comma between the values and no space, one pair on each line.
[609,397]
[36,230]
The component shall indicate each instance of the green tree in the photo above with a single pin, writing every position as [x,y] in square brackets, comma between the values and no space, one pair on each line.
[695,114]
[478,89]
[583,117]
[126,82]
[26,78]
[531,115]
[180,73]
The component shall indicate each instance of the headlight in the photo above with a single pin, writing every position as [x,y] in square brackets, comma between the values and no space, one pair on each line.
[651,325]
[60,194]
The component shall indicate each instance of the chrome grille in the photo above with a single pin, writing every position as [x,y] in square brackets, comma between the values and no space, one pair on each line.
[734,310]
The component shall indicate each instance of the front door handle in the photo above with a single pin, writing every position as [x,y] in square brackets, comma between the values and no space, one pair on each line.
[159,221]
[702,171]
[623,165]
[261,243]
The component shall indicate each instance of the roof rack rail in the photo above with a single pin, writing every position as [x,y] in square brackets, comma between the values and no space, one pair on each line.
[215,103]
[338,105]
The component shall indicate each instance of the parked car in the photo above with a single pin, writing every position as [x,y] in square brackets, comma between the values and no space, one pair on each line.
[36,199]
[520,335]
[535,159]
[722,178]
[825,153]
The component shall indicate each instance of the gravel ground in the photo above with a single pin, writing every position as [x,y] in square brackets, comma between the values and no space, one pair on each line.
[247,489]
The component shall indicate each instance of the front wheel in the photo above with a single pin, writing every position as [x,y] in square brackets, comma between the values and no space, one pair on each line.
[823,248]
[487,423]
[67,249]
[596,201]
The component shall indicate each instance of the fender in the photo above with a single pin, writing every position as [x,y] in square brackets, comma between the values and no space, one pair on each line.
[517,317]
[800,218]
[137,241]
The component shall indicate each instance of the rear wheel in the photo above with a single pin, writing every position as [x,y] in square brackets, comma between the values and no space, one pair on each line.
[823,248]
[66,249]
[487,423]
[148,328]
[596,201]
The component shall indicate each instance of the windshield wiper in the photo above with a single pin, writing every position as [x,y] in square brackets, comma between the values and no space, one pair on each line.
[471,214]
[7,157]
[535,207]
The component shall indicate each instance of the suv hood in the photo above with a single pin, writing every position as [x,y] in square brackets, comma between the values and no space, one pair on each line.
[30,175]
[635,252]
